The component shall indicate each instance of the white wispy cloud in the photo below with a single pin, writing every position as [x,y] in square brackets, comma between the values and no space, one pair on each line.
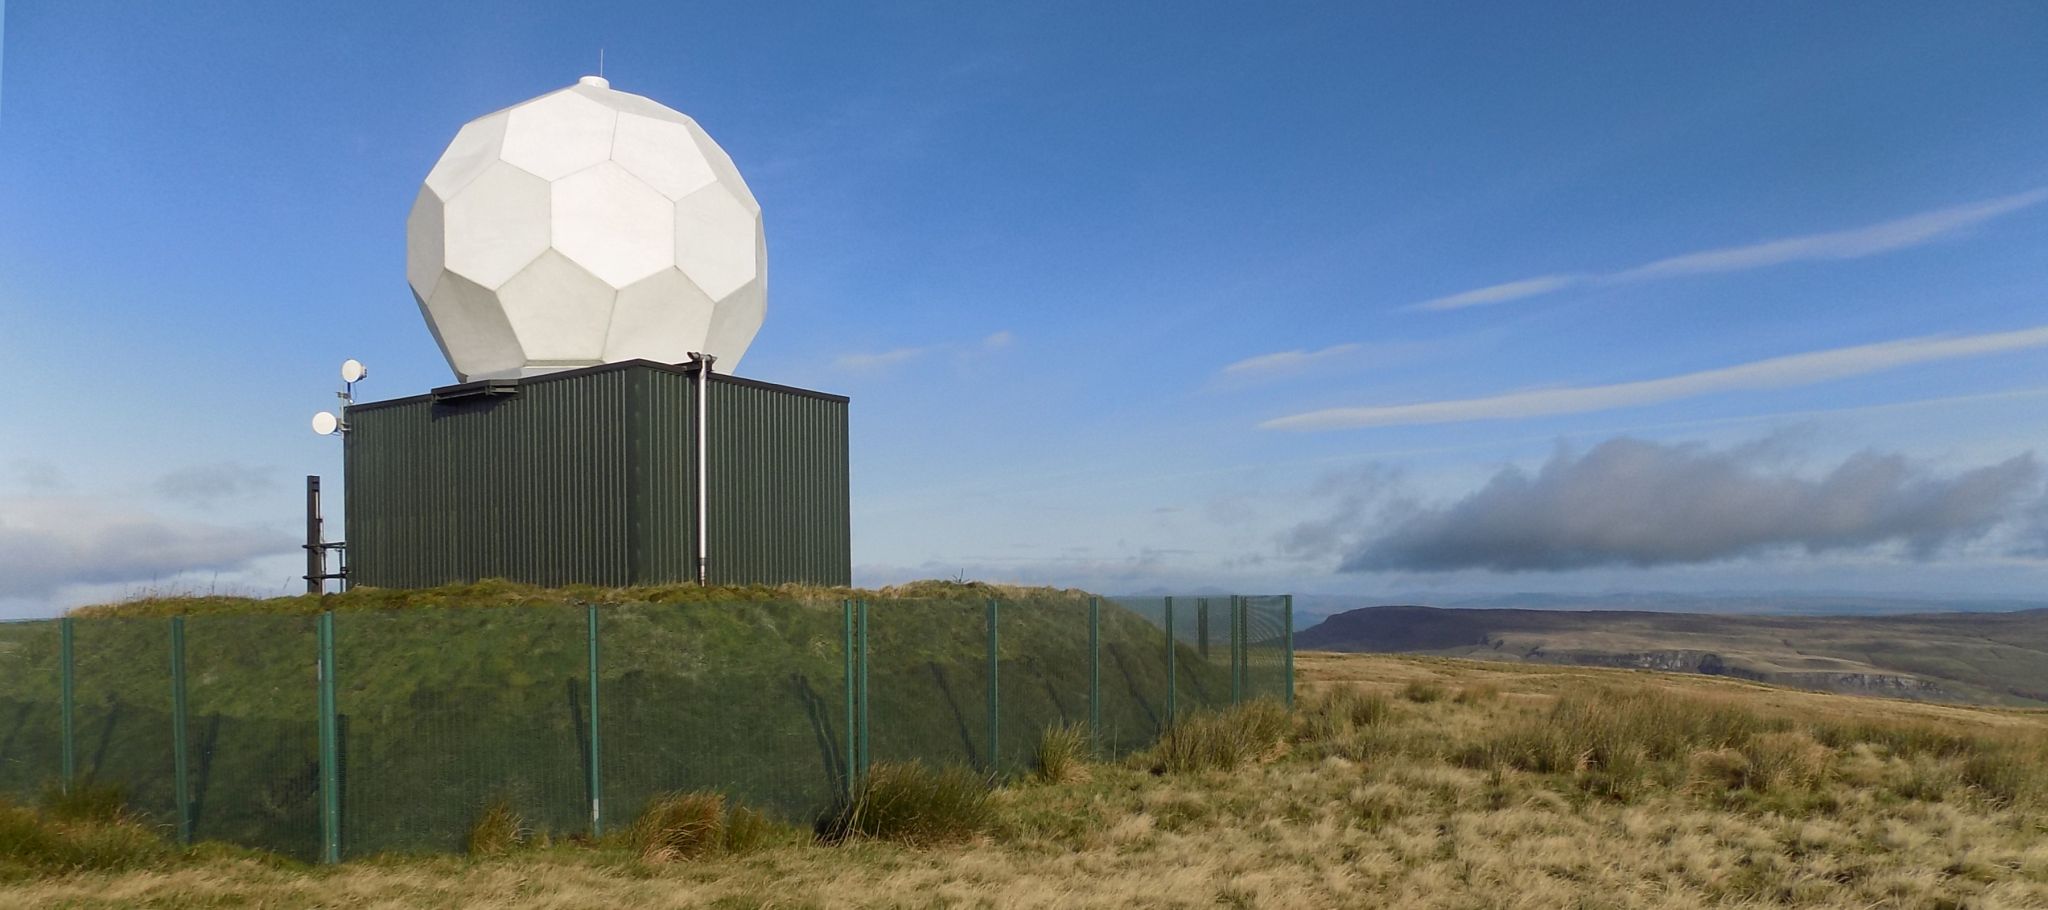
[1379,354]
[1289,361]
[1502,293]
[1854,243]
[880,360]
[1776,372]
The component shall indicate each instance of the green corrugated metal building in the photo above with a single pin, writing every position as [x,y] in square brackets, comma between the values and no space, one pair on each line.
[589,476]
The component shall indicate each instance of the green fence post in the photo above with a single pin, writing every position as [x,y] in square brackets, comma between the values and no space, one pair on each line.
[68,701]
[1095,673]
[994,729]
[866,757]
[181,784]
[1244,622]
[1171,715]
[846,653]
[596,741]
[1244,647]
[1236,649]
[1287,603]
[330,758]
[1202,627]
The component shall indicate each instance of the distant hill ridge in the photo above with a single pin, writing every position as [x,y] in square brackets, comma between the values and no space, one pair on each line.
[1984,658]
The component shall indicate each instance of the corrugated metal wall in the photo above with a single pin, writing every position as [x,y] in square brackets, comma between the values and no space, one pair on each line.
[664,507]
[588,477]
[779,496]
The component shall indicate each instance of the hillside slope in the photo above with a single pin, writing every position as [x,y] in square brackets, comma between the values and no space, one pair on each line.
[1983,658]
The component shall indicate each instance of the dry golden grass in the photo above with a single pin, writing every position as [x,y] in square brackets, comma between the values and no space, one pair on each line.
[1653,791]
[1063,752]
[908,803]
[498,830]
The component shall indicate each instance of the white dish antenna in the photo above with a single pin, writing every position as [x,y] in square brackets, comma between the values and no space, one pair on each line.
[326,423]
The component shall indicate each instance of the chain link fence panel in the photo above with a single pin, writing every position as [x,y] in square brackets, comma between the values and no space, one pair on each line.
[574,718]
[31,724]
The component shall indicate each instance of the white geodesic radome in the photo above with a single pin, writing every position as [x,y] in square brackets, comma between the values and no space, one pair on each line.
[586,226]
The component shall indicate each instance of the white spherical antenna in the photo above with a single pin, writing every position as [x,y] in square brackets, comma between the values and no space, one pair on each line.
[584,227]
[352,370]
[325,423]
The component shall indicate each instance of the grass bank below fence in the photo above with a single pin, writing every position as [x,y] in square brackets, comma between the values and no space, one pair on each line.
[453,700]
[1398,782]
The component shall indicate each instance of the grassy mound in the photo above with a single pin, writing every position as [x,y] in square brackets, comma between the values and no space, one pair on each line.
[455,700]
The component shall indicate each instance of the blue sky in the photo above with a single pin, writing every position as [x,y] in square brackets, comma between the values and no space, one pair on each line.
[1455,298]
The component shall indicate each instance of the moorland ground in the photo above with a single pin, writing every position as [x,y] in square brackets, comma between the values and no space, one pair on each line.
[1995,658]
[1400,781]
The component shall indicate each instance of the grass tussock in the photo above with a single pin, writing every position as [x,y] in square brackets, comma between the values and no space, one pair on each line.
[748,830]
[84,830]
[1222,740]
[84,802]
[1358,708]
[1334,720]
[1423,691]
[1627,743]
[498,830]
[1477,693]
[910,803]
[680,826]
[1063,752]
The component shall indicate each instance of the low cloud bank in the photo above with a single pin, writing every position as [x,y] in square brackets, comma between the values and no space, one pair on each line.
[1629,502]
[209,485]
[48,543]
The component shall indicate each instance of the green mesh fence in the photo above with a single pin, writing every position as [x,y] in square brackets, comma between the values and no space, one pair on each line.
[252,735]
[123,721]
[1269,647]
[443,714]
[1205,645]
[1133,674]
[1042,674]
[681,712]
[928,682]
[31,726]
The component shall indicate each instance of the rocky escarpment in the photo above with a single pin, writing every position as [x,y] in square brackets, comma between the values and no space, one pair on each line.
[1676,660]
[1891,685]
